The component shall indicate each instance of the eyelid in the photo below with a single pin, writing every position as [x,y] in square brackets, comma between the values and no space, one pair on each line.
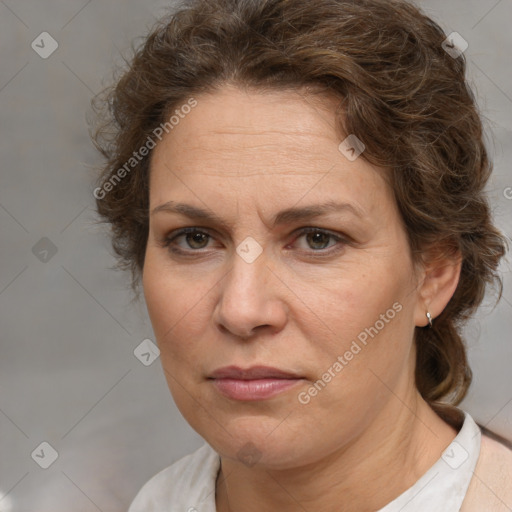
[313,229]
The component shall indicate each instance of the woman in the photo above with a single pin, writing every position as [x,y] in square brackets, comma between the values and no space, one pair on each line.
[298,186]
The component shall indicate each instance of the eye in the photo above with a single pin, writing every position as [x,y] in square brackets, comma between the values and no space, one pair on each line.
[194,239]
[318,239]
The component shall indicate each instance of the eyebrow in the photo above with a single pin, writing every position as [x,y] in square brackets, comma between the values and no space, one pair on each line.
[289,215]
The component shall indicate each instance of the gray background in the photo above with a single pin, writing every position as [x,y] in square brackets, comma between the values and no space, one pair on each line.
[68,372]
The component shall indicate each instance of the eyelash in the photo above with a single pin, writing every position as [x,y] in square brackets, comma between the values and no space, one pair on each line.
[168,241]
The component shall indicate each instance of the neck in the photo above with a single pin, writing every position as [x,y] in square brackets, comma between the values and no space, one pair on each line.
[405,440]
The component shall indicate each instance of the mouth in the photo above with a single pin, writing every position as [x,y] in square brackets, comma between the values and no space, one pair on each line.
[252,384]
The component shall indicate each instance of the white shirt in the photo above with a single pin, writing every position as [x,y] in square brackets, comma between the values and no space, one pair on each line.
[189,484]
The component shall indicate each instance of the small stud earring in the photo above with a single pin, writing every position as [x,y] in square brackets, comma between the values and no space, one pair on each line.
[429,316]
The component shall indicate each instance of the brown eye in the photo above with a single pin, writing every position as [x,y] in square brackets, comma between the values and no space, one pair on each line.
[318,240]
[197,238]
[194,238]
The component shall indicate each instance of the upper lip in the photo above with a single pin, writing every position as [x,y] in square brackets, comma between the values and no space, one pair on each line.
[255,372]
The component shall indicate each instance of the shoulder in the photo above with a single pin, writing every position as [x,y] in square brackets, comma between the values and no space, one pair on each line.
[491,484]
[184,484]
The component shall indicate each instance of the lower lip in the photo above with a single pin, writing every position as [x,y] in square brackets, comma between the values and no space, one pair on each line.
[258,389]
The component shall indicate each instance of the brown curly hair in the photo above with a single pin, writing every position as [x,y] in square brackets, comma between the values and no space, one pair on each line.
[400,92]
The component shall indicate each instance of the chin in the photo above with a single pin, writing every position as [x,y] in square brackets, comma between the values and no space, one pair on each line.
[258,443]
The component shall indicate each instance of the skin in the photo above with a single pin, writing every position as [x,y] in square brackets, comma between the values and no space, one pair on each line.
[367,436]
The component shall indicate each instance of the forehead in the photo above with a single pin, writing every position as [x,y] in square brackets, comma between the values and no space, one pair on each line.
[252,120]
[275,146]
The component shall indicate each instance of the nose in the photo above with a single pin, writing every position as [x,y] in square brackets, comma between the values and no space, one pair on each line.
[250,300]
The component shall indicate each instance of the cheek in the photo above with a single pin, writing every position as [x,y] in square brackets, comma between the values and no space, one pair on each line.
[367,320]
[177,304]
[174,315]
[159,298]
[166,301]
[355,297]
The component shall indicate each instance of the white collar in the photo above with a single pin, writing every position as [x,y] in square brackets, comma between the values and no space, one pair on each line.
[444,485]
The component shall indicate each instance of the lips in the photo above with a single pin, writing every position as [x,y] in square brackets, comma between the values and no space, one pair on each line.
[253,373]
[255,383]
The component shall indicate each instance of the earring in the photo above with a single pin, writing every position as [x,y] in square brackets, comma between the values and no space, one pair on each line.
[429,316]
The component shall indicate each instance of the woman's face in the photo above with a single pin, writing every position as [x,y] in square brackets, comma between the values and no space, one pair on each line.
[334,307]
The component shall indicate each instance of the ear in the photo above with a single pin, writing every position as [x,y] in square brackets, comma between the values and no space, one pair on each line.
[438,281]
